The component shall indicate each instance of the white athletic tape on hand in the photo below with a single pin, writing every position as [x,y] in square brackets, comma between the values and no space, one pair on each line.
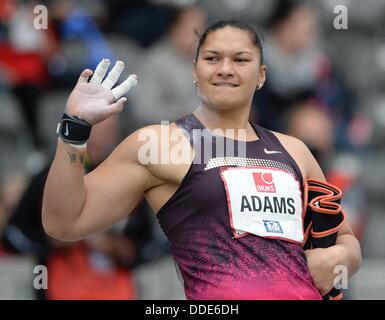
[113,75]
[100,71]
[123,88]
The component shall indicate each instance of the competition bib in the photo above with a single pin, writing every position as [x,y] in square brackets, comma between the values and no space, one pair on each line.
[264,201]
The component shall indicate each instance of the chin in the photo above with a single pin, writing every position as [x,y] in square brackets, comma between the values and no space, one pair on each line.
[223,101]
[226,101]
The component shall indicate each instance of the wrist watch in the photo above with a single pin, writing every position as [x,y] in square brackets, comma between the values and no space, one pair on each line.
[73,130]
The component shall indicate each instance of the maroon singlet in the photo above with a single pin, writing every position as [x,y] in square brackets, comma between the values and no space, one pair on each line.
[213,261]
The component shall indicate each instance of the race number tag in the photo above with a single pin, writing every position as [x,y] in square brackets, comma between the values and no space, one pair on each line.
[264,201]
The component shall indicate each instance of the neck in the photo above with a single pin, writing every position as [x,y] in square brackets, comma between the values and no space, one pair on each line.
[236,119]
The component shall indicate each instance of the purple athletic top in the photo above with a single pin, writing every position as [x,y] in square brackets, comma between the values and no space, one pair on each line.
[213,263]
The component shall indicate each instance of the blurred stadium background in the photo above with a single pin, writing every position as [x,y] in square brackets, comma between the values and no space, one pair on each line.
[336,105]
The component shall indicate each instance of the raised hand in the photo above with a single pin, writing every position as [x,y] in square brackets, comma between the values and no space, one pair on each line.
[95,101]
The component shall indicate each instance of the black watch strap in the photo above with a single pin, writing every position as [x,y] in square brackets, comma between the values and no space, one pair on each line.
[73,130]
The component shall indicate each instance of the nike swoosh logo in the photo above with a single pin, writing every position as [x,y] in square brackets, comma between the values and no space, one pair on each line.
[66,132]
[271,151]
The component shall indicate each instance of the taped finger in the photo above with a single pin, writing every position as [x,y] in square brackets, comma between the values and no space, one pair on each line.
[126,85]
[113,75]
[100,71]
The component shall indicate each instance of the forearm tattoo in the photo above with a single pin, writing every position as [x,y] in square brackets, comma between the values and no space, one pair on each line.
[74,158]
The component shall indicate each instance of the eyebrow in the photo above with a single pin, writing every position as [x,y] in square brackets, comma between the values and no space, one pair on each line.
[216,52]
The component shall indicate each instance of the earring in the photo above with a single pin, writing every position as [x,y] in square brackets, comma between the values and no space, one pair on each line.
[195,83]
[260,86]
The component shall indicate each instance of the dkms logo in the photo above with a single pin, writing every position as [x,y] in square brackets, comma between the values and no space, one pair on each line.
[264,182]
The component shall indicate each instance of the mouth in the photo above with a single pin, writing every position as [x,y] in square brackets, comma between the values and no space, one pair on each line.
[225,84]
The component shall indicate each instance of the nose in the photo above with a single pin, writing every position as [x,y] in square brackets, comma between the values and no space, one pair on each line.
[225,68]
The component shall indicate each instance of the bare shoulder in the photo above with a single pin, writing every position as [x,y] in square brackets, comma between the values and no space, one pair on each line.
[161,149]
[162,131]
[150,140]
[291,143]
[301,154]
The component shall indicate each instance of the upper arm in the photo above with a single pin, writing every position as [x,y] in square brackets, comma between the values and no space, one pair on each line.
[303,157]
[114,188]
[309,167]
[314,171]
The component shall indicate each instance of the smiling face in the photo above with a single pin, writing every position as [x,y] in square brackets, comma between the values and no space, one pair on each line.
[228,69]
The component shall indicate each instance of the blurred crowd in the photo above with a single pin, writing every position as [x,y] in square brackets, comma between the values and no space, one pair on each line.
[323,86]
